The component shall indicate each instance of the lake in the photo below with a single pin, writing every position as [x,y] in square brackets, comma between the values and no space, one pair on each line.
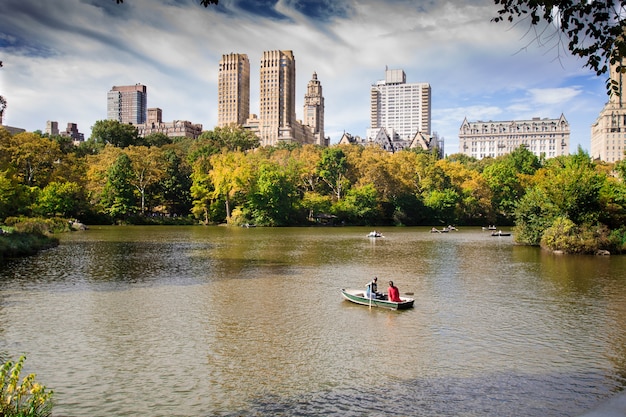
[224,321]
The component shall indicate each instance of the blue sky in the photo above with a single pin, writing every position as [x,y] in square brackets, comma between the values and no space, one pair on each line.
[60,58]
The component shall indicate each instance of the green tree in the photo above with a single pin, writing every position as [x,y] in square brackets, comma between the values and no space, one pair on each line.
[175,186]
[593,30]
[359,206]
[119,198]
[332,169]
[274,197]
[112,132]
[61,199]
[231,137]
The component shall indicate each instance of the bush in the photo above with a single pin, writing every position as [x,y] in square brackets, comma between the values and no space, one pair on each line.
[25,399]
[565,236]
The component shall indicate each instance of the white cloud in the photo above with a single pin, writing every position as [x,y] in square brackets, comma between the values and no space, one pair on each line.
[61,59]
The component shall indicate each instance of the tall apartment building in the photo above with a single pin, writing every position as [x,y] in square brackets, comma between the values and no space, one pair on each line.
[127,104]
[549,137]
[608,132]
[401,107]
[277,97]
[276,121]
[233,104]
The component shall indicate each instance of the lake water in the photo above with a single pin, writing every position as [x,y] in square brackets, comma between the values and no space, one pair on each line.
[219,321]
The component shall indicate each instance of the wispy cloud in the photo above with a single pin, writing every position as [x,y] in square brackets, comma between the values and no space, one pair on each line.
[61,58]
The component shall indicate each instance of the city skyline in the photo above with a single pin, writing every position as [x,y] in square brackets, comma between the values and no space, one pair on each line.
[59,58]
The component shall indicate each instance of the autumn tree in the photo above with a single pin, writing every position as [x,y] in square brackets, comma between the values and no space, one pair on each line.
[33,158]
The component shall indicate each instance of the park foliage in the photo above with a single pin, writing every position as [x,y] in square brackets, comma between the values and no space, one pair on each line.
[224,176]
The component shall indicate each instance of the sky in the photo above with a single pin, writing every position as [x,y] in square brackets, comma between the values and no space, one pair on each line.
[61,57]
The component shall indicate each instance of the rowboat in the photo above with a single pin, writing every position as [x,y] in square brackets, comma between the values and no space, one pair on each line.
[358,297]
[375,234]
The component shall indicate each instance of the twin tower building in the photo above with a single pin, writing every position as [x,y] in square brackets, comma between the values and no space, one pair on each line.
[276,121]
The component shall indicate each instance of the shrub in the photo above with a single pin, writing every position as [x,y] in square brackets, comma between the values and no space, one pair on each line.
[25,399]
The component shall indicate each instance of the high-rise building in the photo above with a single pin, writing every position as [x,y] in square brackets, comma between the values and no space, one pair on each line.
[276,121]
[314,110]
[608,133]
[547,137]
[52,128]
[277,97]
[127,104]
[400,106]
[233,90]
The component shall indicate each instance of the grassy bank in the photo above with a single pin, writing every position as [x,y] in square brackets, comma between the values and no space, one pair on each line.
[23,237]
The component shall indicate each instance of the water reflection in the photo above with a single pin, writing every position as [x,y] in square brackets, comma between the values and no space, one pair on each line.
[224,321]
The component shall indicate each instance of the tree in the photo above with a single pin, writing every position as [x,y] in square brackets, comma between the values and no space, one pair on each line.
[119,195]
[273,199]
[112,132]
[34,158]
[147,165]
[63,199]
[332,169]
[593,30]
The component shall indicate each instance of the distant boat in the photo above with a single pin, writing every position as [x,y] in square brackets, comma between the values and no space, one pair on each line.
[375,234]
[358,297]
[435,230]
[489,228]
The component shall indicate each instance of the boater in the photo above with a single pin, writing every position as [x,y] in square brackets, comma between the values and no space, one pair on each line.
[393,293]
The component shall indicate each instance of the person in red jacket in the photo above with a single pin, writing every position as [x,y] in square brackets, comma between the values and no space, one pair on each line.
[393,293]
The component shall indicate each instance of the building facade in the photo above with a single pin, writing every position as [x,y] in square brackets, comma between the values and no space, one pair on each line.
[401,106]
[389,141]
[177,128]
[52,128]
[128,104]
[277,97]
[314,110]
[233,103]
[608,132]
[547,137]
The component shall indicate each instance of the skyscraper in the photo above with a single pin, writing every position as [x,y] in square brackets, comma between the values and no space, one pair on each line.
[127,104]
[314,110]
[277,97]
[400,106]
[233,90]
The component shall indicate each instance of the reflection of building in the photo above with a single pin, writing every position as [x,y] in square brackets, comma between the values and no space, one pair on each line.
[233,104]
[608,133]
[276,121]
[128,104]
[399,107]
[548,137]
[387,140]
[177,128]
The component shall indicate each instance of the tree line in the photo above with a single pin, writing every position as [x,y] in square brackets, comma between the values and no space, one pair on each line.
[225,177]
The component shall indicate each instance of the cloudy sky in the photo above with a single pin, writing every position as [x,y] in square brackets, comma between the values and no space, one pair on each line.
[61,57]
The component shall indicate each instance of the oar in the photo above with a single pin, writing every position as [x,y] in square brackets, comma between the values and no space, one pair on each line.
[408,293]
